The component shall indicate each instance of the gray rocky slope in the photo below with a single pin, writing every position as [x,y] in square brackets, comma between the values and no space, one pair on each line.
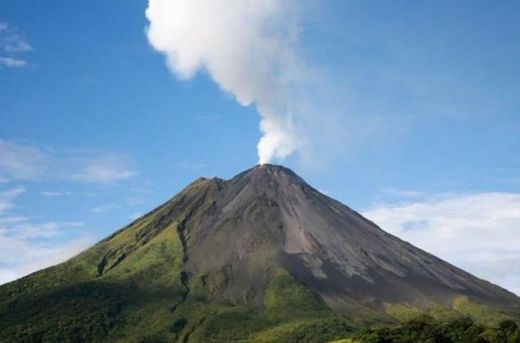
[238,233]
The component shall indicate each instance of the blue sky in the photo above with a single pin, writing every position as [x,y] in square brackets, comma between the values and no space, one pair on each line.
[421,101]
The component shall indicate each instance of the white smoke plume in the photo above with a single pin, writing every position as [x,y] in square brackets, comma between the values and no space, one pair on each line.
[247,46]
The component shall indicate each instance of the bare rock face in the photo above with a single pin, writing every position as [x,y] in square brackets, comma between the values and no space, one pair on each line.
[238,233]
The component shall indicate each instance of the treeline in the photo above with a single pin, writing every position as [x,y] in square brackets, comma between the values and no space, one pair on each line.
[427,329]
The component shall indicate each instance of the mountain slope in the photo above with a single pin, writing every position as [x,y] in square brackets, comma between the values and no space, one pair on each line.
[263,249]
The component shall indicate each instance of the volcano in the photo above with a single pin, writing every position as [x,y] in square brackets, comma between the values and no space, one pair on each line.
[256,257]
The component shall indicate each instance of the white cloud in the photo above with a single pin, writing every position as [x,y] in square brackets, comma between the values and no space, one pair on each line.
[24,161]
[7,197]
[477,232]
[51,194]
[247,47]
[11,40]
[255,51]
[12,62]
[18,45]
[104,169]
[403,193]
[12,43]
[13,192]
[26,247]
[105,208]
[11,220]
[5,205]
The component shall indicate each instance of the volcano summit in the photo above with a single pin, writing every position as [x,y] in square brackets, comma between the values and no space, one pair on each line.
[256,257]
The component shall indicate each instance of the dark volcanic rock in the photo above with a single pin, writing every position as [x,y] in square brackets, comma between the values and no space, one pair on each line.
[268,218]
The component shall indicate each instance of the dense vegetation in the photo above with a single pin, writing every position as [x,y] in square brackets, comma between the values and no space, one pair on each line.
[425,328]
